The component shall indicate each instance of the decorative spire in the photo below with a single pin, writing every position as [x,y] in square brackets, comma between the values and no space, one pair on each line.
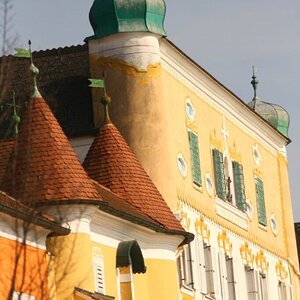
[105,100]
[15,118]
[254,82]
[34,72]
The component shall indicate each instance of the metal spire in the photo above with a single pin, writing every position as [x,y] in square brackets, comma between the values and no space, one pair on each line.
[254,82]
[105,100]
[16,118]
[34,72]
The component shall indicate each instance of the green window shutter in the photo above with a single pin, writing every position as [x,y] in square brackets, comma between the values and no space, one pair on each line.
[239,186]
[195,158]
[219,174]
[260,197]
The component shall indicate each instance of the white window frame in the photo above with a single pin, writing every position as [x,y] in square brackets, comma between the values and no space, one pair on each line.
[185,268]
[22,296]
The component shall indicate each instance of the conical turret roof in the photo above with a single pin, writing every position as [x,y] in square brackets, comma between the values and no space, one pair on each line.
[112,163]
[43,168]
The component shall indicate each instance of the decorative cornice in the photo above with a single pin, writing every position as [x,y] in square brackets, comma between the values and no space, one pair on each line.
[211,91]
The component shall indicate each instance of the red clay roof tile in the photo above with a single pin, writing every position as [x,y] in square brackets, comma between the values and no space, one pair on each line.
[112,163]
[43,167]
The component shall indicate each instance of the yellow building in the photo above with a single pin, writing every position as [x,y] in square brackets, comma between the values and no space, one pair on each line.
[218,163]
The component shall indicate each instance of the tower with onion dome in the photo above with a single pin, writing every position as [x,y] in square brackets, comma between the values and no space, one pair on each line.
[125,48]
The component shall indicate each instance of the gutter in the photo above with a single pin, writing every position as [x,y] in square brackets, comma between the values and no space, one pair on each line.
[35,219]
[188,237]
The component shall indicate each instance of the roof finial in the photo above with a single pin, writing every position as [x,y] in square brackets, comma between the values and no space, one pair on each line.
[16,118]
[105,100]
[254,82]
[34,72]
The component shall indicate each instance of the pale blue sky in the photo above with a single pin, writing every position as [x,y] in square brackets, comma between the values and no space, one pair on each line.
[225,37]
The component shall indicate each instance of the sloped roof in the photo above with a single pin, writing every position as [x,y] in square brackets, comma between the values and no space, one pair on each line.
[91,296]
[112,163]
[14,208]
[43,168]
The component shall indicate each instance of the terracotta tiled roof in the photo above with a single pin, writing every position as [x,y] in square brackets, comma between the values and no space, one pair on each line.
[112,163]
[6,147]
[116,202]
[14,208]
[43,167]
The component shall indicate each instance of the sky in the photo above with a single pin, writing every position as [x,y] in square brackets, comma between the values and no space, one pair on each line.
[226,37]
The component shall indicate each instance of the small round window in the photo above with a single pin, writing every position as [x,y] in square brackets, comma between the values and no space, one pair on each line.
[190,110]
[273,224]
[181,165]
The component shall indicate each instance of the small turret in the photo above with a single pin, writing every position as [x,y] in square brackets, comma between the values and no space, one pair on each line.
[274,114]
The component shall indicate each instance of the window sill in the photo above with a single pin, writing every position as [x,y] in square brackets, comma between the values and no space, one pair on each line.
[188,291]
[197,187]
[231,213]
[263,227]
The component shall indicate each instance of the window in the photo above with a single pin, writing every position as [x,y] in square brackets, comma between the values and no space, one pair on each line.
[184,266]
[230,278]
[195,158]
[229,180]
[260,198]
[98,268]
[22,296]
[283,291]
[209,271]
[227,282]
[257,286]
[263,288]
[239,186]
[219,174]
[251,283]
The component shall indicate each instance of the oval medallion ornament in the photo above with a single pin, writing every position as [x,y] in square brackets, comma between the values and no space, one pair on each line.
[190,110]
[181,165]
[273,224]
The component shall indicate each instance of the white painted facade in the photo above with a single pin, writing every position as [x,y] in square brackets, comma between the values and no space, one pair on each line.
[221,278]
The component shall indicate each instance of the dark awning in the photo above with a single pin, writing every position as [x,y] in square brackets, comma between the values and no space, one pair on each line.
[129,253]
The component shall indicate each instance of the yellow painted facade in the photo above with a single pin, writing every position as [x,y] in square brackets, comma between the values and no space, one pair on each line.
[70,265]
[149,108]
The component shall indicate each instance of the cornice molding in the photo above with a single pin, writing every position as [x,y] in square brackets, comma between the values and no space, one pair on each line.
[211,91]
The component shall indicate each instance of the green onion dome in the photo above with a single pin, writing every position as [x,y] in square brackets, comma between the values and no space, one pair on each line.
[113,16]
[274,114]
